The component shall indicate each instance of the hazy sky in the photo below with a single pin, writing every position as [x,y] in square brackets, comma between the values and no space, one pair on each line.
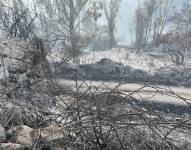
[126,21]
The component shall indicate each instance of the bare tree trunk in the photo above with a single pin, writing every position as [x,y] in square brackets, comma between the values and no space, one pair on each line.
[111,35]
[72,29]
[111,15]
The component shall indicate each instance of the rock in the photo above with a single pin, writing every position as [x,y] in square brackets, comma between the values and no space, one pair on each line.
[11,146]
[21,135]
[2,134]
[52,135]
[48,134]
[109,62]
[107,67]
[105,61]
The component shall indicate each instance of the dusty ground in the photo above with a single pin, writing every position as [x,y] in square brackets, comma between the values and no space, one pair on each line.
[169,103]
[165,105]
[146,60]
[164,94]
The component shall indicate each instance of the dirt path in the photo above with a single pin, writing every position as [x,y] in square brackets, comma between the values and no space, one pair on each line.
[160,94]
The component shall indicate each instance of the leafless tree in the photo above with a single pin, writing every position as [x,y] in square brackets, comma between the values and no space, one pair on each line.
[176,46]
[111,10]
[62,20]
[16,19]
[177,41]
[151,20]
